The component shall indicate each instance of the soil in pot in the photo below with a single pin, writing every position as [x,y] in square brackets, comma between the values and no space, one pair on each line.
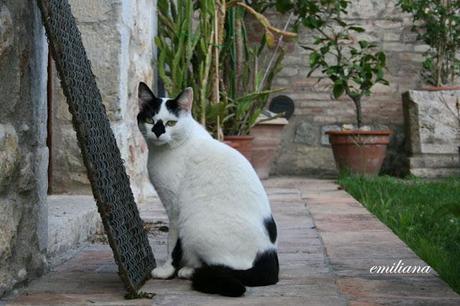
[359,152]
[241,143]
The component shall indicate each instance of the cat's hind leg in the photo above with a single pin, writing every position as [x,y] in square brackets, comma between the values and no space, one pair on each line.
[186,272]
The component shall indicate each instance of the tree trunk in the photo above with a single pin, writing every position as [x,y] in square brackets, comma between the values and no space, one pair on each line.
[359,113]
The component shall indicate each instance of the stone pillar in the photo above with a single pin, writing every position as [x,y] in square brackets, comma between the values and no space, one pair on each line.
[23,151]
[432,132]
[118,37]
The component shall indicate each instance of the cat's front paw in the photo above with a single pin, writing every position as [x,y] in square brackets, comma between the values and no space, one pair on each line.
[185,272]
[164,272]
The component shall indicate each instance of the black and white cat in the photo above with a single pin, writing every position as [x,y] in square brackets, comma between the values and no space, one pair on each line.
[222,234]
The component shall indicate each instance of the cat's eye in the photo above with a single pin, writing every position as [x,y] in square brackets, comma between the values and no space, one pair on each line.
[149,120]
[171,123]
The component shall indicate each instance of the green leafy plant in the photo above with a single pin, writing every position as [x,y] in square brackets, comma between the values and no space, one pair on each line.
[247,78]
[185,49]
[354,66]
[437,23]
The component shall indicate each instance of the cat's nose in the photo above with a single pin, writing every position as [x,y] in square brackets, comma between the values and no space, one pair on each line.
[158,128]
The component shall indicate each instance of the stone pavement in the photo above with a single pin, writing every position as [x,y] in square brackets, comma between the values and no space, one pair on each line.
[327,244]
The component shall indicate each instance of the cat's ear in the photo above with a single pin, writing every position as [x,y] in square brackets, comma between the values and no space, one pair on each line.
[185,99]
[144,94]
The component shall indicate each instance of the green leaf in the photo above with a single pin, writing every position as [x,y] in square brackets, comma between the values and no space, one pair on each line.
[311,22]
[381,58]
[314,59]
[363,44]
[163,6]
[357,29]
[283,6]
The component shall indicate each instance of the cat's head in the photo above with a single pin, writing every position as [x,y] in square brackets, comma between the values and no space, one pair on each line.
[163,120]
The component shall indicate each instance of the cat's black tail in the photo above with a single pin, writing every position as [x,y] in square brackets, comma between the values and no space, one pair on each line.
[219,279]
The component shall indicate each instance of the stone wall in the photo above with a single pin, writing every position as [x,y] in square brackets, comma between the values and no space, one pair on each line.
[305,149]
[118,37]
[23,151]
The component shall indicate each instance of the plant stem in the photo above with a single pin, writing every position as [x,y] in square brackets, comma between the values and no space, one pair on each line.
[359,113]
[278,45]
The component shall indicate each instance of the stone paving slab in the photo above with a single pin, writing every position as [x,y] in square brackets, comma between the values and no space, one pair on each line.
[327,244]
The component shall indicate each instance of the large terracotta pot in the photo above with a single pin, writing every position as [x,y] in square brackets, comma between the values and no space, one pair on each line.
[360,152]
[241,143]
[267,137]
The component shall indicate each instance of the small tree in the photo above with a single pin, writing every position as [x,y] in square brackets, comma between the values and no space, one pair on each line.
[354,66]
[437,23]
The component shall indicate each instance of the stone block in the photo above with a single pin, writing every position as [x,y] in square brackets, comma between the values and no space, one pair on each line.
[302,159]
[324,136]
[388,24]
[367,9]
[435,172]
[391,36]
[397,46]
[72,221]
[9,154]
[421,48]
[434,161]
[288,72]
[431,122]
[307,133]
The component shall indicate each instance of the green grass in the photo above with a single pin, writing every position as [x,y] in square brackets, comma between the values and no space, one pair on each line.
[424,214]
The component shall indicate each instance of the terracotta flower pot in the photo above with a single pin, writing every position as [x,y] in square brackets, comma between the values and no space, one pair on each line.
[267,137]
[360,152]
[232,144]
[241,143]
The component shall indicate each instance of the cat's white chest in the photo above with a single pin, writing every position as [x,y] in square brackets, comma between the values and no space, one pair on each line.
[166,169]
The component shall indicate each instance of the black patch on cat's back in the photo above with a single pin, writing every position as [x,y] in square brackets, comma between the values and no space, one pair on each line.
[270,226]
[173,106]
[177,254]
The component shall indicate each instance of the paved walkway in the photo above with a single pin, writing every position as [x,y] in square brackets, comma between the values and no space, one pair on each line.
[327,244]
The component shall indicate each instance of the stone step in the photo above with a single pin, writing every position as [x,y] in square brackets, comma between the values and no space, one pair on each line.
[434,161]
[435,172]
[72,221]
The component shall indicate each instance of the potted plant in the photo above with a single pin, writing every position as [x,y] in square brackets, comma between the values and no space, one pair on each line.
[437,24]
[353,66]
[215,57]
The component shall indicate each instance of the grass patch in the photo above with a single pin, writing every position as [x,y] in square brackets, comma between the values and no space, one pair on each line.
[424,214]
